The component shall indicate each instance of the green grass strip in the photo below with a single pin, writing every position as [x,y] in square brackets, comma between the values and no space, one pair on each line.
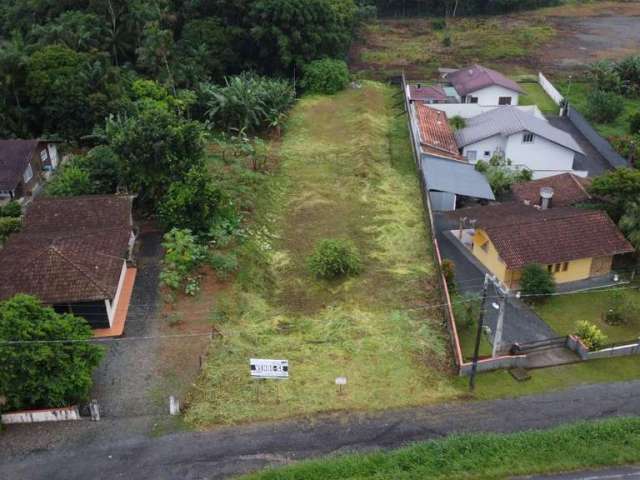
[483,456]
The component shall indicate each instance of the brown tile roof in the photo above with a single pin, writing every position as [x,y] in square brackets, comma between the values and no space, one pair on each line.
[427,93]
[476,77]
[14,158]
[568,189]
[79,259]
[525,234]
[436,135]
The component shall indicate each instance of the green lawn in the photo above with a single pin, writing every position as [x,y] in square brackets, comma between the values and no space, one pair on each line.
[535,95]
[578,94]
[467,337]
[563,311]
[482,456]
[345,171]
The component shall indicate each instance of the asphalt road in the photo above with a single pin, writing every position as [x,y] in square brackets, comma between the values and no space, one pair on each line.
[231,451]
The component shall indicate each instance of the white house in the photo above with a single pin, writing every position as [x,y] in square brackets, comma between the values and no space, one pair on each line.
[525,139]
[481,85]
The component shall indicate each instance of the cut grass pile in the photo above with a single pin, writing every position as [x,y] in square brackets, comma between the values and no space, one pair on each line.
[535,95]
[563,311]
[578,94]
[346,172]
[483,456]
[392,45]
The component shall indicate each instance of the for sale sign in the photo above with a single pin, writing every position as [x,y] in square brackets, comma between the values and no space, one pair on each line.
[268,368]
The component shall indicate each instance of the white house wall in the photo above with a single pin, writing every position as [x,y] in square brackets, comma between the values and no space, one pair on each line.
[490,145]
[542,156]
[490,95]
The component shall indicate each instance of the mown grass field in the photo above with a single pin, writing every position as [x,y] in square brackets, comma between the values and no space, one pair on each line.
[345,171]
[535,95]
[482,456]
[562,313]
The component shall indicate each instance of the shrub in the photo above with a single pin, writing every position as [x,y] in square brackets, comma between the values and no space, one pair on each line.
[44,375]
[438,24]
[449,272]
[223,264]
[466,309]
[457,122]
[182,255]
[501,175]
[70,181]
[11,209]
[634,124]
[326,76]
[604,107]
[8,225]
[333,258]
[537,281]
[621,309]
[590,334]
[446,41]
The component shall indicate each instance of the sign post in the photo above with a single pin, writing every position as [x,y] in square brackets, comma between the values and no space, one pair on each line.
[264,368]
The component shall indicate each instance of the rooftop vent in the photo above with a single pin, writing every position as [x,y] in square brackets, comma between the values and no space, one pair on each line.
[546,197]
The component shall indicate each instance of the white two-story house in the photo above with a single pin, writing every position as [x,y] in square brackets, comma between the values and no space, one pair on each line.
[522,137]
[481,85]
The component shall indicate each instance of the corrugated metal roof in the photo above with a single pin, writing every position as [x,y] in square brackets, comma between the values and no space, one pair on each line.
[455,177]
[509,120]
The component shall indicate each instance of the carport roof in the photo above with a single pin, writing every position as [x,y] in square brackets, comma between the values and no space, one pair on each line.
[455,177]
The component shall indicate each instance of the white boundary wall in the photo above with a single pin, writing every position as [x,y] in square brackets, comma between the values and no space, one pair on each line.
[46,415]
[548,87]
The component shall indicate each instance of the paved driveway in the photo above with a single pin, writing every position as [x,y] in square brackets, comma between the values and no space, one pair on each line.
[521,324]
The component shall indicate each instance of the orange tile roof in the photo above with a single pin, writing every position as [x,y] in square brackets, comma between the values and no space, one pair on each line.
[436,135]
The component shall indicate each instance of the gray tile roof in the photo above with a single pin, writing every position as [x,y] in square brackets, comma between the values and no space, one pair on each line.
[509,120]
[455,177]
[476,77]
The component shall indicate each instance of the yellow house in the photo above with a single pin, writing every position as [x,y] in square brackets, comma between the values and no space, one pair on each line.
[573,244]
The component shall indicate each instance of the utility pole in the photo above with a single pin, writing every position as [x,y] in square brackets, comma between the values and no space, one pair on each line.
[476,351]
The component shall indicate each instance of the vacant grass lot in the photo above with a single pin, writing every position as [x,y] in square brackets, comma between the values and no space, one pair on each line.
[389,46]
[483,456]
[346,172]
[578,96]
[562,312]
[535,95]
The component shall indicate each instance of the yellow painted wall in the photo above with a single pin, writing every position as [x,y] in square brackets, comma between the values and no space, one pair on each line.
[490,259]
[577,269]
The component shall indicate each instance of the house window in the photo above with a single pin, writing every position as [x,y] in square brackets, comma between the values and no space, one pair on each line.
[556,267]
[487,153]
[43,155]
[473,99]
[471,155]
[527,138]
[565,266]
[28,174]
[504,100]
[550,268]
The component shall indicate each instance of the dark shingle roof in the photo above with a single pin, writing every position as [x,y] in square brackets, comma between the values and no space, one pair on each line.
[78,259]
[473,78]
[525,234]
[14,158]
[427,93]
[436,136]
[568,189]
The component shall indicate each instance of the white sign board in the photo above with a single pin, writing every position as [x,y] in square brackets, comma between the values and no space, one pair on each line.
[267,368]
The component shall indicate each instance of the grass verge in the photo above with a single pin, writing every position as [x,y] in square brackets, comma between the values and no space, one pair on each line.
[483,456]
[535,95]
[346,171]
[563,311]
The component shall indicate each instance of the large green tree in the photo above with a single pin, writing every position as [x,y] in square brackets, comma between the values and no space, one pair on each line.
[39,375]
[618,187]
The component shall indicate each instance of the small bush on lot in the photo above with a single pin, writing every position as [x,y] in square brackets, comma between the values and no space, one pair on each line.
[11,209]
[223,264]
[591,335]
[326,76]
[8,225]
[333,258]
[182,255]
[634,124]
[457,122]
[501,175]
[604,107]
[449,272]
[466,309]
[536,281]
[438,24]
[622,309]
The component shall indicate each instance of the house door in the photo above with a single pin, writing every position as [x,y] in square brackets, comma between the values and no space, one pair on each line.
[600,266]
